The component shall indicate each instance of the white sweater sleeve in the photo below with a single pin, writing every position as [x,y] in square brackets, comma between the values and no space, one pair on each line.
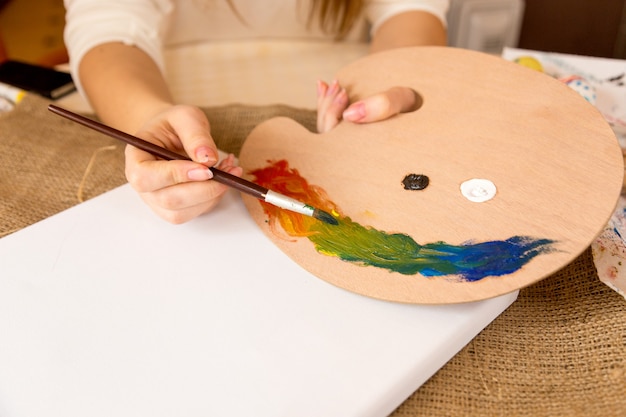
[378,11]
[92,22]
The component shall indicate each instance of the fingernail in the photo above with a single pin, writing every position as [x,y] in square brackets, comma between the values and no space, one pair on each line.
[320,88]
[334,86]
[205,154]
[200,174]
[355,112]
[341,96]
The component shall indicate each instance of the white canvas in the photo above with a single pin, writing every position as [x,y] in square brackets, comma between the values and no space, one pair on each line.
[106,310]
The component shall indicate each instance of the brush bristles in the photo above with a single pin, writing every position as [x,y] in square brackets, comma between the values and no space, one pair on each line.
[325,217]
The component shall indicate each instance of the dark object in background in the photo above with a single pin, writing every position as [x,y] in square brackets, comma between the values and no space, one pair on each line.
[44,81]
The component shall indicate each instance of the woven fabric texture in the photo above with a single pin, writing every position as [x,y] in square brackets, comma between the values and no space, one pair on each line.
[559,350]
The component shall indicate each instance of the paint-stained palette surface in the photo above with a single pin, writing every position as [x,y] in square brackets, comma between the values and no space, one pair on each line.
[543,168]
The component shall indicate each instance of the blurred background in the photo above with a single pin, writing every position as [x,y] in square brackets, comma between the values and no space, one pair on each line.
[32,30]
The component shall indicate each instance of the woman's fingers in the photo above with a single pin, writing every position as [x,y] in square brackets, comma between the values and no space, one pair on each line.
[332,105]
[184,201]
[178,190]
[382,106]
[332,100]
[193,130]
[146,173]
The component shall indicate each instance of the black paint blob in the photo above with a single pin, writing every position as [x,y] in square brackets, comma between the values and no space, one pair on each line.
[415,182]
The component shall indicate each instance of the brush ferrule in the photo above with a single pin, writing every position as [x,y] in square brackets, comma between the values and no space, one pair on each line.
[288,203]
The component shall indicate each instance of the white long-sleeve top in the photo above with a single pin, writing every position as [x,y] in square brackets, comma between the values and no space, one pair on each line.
[152,25]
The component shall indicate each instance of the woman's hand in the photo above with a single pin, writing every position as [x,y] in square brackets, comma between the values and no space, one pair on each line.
[412,28]
[333,105]
[178,191]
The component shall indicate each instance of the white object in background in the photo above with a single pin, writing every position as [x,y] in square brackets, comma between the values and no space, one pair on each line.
[485,25]
[609,250]
[106,310]
[604,86]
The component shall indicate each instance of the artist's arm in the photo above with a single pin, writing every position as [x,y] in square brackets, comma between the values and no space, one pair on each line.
[412,28]
[127,91]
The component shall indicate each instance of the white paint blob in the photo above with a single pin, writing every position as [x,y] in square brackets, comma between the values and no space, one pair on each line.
[478,190]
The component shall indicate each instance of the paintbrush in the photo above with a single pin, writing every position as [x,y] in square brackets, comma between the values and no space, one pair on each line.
[233,181]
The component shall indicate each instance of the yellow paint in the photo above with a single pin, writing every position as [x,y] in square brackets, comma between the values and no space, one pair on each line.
[530,62]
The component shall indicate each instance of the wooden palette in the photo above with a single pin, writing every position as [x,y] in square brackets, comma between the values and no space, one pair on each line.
[555,163]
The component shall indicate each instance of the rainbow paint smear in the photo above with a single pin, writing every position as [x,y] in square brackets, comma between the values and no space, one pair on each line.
[397,252]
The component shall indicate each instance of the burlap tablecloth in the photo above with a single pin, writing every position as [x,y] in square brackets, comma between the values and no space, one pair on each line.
[559,350]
